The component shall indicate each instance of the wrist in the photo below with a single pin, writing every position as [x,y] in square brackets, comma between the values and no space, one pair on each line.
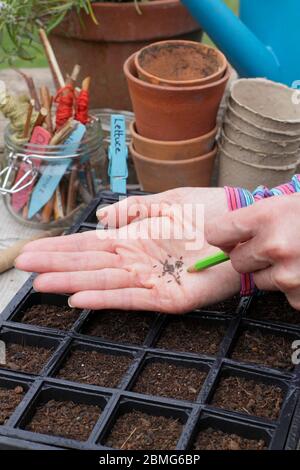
[237,198]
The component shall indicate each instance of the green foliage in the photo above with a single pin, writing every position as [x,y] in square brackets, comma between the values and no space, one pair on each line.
[19,21]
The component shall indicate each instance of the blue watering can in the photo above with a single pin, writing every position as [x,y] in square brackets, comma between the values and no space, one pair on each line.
[264,42]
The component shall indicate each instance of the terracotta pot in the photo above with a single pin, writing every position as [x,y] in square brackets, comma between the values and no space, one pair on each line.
[102,49]
[180,63]
[245,154]
[257,144]
[266,104]
[234,172]
[176,150]
[159,175]
[168,113]
[258,131]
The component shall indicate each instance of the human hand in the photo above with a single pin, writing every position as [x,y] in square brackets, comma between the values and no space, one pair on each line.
[264,239]
[133,266]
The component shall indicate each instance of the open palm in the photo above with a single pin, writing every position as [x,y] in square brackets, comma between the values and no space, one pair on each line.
[139,264]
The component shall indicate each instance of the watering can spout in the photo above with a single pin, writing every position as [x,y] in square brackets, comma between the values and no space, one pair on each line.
[246,53]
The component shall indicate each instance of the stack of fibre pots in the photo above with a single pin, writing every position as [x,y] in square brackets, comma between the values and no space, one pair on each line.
[260,140]
[176,88]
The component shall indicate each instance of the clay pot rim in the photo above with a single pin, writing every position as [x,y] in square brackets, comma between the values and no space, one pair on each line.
[235,128]
[262,167]
[231,142]
[223,64]
[173,163]
[170,143]
[185,89]
[254,112]
[265,129]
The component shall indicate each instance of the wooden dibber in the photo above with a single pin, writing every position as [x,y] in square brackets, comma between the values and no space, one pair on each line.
[72,190]
[41,117]
[8,255]
[28,119]
[46,100]
[31,88]
[56,72]
[61,135]
[47,211]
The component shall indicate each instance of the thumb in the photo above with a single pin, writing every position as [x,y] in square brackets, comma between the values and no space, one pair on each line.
[232,228]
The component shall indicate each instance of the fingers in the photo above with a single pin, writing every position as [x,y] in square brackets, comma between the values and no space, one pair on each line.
[232,228]
[124,299]
[87,241]
[248,258]
[264,279]
[294,299]
[43,262]
[131,209]
[70,282]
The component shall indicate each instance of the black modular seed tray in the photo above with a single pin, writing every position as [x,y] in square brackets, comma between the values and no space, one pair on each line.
[235,316]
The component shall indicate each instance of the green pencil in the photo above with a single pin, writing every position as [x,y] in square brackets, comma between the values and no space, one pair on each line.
[212,260]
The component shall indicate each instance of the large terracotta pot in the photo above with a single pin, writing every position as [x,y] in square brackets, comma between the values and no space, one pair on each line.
[161,175]
[102,49]
[173,113]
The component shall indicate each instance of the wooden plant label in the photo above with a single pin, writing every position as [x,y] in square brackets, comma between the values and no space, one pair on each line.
[41,137]
[54,171]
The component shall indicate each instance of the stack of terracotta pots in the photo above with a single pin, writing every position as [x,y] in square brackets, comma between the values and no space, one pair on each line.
[176,88]
[260,141]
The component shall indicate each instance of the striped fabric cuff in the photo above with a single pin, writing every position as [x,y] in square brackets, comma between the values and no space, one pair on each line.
[238,198]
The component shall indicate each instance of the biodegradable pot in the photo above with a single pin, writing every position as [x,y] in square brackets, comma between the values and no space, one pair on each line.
[258,132]
[257,144]
[245,154]
[102,49]
[233,172]
[178,150]
[180,63]
[267,104]
[169,113]
[158,175]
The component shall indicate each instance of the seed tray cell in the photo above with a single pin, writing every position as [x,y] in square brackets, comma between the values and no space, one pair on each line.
[273,307]
[62,415]
[26,352]
[216,432]
[12,392]
[265,346]
[199,350]
[255,394]
[182,334]
[92,364]
[49,311]
[163,424]
[165,376]
[119,327]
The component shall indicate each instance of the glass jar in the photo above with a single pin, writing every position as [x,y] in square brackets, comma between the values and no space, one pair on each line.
[47,186]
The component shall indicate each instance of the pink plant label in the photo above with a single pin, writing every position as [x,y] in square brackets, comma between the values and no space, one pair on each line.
[39,137]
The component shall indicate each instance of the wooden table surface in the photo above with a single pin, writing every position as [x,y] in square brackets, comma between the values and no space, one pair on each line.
[10,230]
